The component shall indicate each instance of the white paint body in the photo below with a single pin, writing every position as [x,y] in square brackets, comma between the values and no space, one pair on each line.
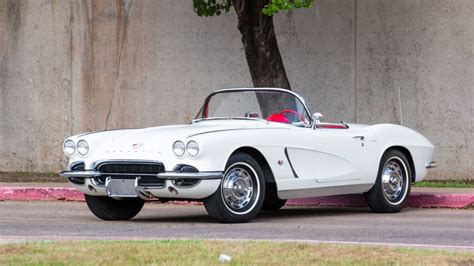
[323,159]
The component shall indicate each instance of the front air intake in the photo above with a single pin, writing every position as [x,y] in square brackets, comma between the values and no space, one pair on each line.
[147,171]
[131,168]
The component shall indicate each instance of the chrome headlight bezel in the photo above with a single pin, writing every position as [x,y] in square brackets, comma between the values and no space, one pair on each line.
[82,147]
[179,149]
[69,147]
[192,148]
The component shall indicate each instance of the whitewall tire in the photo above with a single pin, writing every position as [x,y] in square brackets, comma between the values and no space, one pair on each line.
[392,188]
[241,192]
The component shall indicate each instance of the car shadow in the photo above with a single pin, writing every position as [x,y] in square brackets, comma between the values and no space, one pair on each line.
[313,211]
[263,216]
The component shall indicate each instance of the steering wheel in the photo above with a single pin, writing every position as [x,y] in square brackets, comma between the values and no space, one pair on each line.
[286,111]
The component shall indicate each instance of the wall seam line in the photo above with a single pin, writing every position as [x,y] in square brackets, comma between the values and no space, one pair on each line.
[355,58]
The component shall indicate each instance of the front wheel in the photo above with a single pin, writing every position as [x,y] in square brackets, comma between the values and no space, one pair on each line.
[271,201]
[107,208]
[241,192]
[392,188]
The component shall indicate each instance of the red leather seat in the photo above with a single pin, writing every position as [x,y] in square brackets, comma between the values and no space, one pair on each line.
[278,118]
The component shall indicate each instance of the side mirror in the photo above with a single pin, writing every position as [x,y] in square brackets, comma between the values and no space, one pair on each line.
[318,118]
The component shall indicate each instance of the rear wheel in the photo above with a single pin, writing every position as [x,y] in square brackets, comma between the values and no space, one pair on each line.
[392,188]
[107,208]
[241,192]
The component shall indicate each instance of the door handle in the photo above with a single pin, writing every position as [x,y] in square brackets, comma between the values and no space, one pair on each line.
[359,137]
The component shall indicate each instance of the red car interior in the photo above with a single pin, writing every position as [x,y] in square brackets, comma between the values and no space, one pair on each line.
[278,118]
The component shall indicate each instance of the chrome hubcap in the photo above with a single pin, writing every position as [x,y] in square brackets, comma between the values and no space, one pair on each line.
[393,180]
[237,188]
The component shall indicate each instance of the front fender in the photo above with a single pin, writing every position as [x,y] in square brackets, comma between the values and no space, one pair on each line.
[419,147]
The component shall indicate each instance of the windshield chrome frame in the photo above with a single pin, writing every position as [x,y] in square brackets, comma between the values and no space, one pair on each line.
[301,99]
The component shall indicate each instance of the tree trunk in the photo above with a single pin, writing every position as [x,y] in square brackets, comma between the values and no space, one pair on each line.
[262,53]
[260,44]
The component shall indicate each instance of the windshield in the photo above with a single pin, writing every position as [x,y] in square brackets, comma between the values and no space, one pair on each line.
[274,106]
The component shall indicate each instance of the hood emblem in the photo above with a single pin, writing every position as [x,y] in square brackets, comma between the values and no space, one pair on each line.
[137,145]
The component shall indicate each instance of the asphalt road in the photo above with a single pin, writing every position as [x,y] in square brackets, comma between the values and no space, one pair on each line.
[443,228]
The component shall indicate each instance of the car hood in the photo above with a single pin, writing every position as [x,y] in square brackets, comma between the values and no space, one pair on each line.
[182,131]
[160,139]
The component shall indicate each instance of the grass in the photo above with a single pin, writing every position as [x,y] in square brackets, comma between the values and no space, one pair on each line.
[195,252]
[446,184]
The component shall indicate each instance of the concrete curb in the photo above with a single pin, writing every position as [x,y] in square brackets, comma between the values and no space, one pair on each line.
[416,200]
[40,193]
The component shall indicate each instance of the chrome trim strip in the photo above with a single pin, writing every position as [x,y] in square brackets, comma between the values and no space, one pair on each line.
[324,191]
[165,175]
[431,164]
[200,175]
[289,161]
[234,129]
[79,174]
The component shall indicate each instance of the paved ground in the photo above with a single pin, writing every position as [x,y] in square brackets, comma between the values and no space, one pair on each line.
[445,228]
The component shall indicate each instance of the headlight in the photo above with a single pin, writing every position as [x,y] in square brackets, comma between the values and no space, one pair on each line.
[83,147]
[178,148]
[192,148]
[69,147]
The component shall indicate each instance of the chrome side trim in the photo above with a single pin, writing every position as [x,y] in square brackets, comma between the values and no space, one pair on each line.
[79,174]
[289,161]
[431,164]
[324,191]
[200,175]
[235,129]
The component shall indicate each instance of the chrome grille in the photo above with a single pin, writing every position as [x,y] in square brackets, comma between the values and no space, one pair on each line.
[131,168]
[147,171]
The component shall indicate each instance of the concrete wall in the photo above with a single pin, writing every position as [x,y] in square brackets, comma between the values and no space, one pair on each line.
[73,66]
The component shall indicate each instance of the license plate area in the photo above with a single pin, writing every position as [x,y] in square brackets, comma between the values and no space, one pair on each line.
[120,188]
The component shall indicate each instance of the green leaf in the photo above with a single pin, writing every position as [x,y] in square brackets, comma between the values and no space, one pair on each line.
[286,5]
[209,8]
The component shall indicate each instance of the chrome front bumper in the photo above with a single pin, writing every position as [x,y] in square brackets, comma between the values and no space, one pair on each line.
[119,187]
[431,164]
[164,175]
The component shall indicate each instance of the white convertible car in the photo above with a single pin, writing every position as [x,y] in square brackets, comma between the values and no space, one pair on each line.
[247,150]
